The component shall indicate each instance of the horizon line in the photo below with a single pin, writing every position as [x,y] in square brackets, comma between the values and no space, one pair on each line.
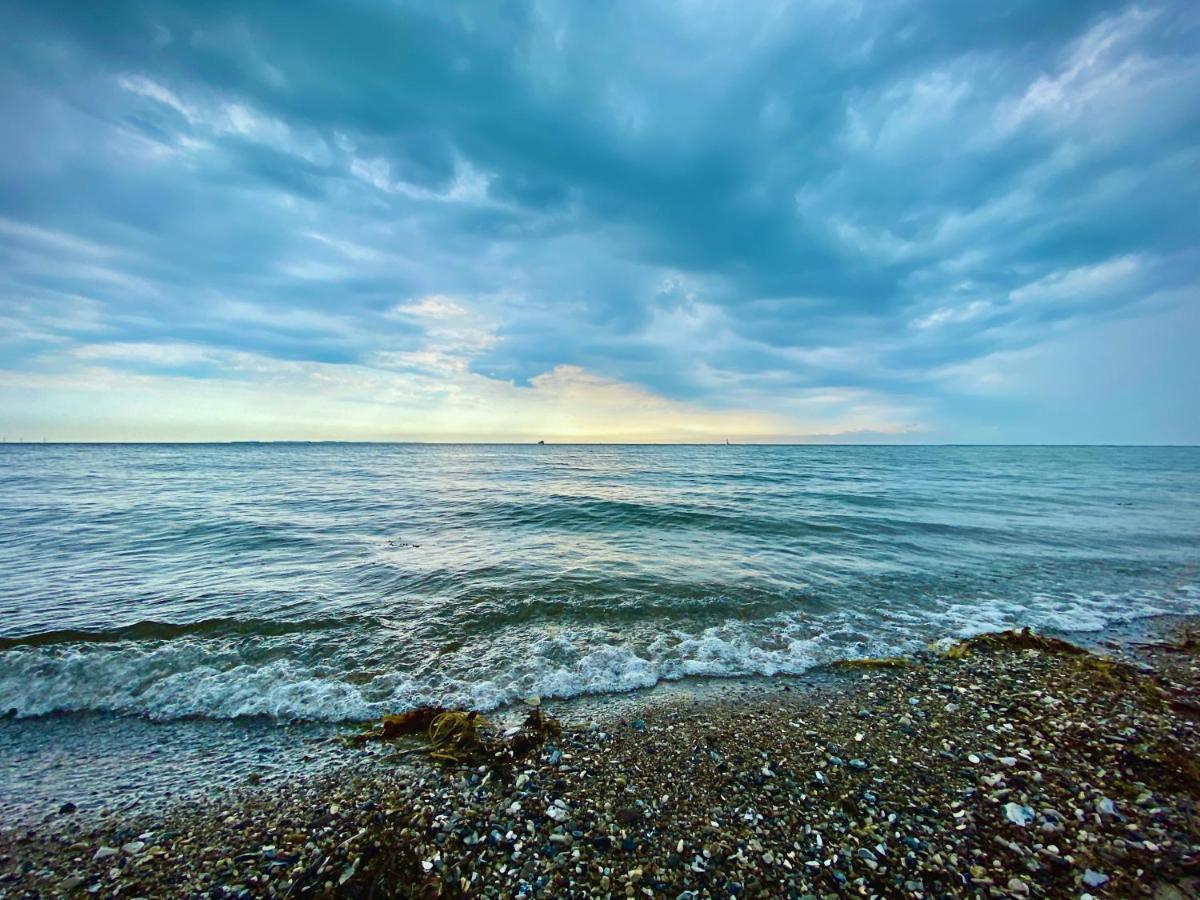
[546,443]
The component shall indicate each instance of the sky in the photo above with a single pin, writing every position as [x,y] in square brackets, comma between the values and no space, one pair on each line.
[886,221]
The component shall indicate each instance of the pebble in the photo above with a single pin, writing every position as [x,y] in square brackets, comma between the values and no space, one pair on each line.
[1018,814]
[1092,878]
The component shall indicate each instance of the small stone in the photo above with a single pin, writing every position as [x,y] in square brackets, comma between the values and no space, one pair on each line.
[1017,886]
[627,815]
[858,764]
[105,853]
[1018,814]
[1092,878]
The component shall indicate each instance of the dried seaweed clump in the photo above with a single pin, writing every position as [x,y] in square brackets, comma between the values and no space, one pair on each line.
[415,721]
[458,736]
[1024,639]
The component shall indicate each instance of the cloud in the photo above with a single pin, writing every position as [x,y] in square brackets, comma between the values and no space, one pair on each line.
[716,213]
[1079,284]
[201,393]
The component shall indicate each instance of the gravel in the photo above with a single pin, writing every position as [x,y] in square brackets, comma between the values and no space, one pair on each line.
[1008,772]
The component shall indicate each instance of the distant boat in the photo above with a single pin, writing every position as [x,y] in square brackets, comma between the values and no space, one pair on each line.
[541,442]
[726,442]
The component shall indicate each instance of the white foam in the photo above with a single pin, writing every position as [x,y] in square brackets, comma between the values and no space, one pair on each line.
[1058,612]
[285,678]
[170,681]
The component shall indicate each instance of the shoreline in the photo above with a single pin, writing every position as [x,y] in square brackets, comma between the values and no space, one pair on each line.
[60,759]
[1009,772]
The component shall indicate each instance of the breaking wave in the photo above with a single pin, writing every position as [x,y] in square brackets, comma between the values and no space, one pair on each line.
[340,670]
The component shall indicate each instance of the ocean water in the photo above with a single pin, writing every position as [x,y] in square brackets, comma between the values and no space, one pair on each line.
[336,582]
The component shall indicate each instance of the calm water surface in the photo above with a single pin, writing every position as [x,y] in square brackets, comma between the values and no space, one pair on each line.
[336,581]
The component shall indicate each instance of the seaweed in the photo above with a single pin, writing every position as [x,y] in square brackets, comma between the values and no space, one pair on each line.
[459,736]
[1023,639]
[887,662]
[534,731]
[414,721]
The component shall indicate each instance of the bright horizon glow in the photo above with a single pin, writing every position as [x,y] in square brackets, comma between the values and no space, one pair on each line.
[676,223]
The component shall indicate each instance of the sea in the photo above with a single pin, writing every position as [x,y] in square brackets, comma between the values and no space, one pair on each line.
[249,591]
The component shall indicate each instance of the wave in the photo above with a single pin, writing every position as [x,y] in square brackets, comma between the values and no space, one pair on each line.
[176,682]
[205,675]
[599,514]
[151,630]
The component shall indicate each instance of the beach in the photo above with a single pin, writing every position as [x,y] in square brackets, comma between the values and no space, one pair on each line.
[599,450]
[1010,766]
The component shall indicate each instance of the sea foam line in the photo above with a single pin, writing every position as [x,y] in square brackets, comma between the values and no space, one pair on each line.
[216,677]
